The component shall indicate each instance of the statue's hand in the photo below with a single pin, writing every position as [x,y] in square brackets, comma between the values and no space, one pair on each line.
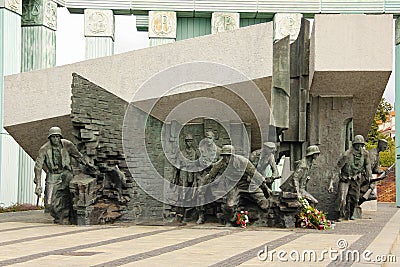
[330,189]
[38,190]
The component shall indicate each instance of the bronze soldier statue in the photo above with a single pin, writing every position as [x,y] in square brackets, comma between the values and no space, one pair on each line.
[55,158]
[240,172]
[209,154]
[369,186]
[352,165]
[297,181]
[186,161]
[262,158]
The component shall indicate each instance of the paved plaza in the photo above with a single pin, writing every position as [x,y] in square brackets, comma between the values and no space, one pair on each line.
[30,239]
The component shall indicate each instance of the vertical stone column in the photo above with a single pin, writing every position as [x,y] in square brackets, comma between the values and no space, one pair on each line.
[397,107]
[99,33]
[162,27]
[39,24]
[10,63]
[222,22]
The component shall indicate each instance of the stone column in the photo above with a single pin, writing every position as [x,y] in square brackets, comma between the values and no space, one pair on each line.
[10,63]
[397,107]
[162,27]
[99,33]
[286,30]
[39,23]
[222,22]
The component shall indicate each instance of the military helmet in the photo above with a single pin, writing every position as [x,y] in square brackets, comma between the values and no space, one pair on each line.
[227,150]
[54,131]
[270,145]
[358,139]
[382,141]
[311,150]
[188,137]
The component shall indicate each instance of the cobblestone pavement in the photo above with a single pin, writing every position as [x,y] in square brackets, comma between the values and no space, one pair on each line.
[30,239]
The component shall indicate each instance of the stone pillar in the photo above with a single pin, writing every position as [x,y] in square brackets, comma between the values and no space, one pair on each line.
[286,30]
[99,33]
[162,27]
[39,23]
[10,63]
[397,107]
[222,22]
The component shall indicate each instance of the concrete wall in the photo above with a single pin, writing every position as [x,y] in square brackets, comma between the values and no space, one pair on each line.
[348,58]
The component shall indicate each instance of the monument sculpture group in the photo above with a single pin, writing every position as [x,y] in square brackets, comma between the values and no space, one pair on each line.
[201,130]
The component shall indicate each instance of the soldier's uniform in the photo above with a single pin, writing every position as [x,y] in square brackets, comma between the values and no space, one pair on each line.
[56,160]
[262,160]
[243,179]
[352,165]
[297,181]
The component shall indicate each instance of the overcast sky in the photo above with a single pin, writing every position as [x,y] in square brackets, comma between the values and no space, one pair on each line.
[71,40]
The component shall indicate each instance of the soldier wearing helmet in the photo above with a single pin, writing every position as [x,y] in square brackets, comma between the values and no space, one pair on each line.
[185,163]
[55,158]
[209,154]
[239,173]
[352,165]
[375,168]
[264,158]
[297,181]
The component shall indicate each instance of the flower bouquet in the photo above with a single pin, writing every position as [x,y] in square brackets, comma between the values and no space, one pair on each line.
[310,217]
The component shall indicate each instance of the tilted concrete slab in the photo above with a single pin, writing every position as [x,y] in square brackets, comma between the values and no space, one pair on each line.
[352,55]
[249,50]
[346,58]
[45,95]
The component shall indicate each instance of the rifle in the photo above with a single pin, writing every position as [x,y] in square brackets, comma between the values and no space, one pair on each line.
[379,178]
[37,200]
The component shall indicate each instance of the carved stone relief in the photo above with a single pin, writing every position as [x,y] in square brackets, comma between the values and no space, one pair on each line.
[13,5]
[99,23]
[162,24]
[222,22]
[287,24]
[50,15]
[32,12]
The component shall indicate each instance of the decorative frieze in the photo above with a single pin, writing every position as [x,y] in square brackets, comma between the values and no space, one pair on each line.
[13,5]
[222,22]
[39,13]
[287,24]
[99,23]
[162,24]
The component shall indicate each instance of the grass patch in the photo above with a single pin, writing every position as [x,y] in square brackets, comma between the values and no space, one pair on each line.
[20,207]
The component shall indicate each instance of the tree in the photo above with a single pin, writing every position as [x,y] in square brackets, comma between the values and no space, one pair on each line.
[387,157]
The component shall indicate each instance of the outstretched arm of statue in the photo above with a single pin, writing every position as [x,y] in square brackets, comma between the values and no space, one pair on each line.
[333,177]
[274,169]
[38,173]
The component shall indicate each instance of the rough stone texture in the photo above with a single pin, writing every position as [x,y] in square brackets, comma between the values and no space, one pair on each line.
[280,92]
[330,118]
[97,117]
[299,120]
